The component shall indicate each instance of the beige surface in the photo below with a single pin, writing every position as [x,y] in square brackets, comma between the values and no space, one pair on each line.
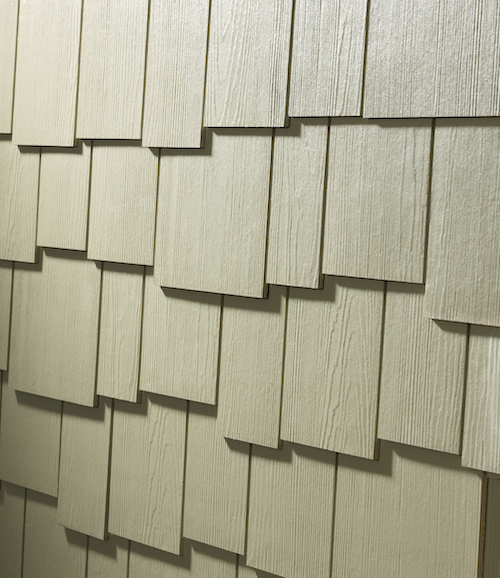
[251,367]
[112,65]
[120,331]
[8,37]
[84,468]
[422,379]
[296,204]
[432,58]
[30,435]
[291,510]
[123,204]
[48,47]
[175,73]
[18,201]
[414,513]
[463,276]
[63,207]
[212,215]
[327,58]
[6,271]
[108,559]
[12,502]
[216,485]
[376,201]
[55,315]
[180,343]
[331,369]
[247,66]
[149,513]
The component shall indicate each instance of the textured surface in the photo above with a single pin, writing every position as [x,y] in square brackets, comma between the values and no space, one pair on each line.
[108,558]
[8,37]
[12,502]
[54,333]
[432,58]
[376,202]
[327,58]
[123,204]
[331,370]
[63,205]
[175,73]
[6,271]
[248,49]
[112,62]
[48,49]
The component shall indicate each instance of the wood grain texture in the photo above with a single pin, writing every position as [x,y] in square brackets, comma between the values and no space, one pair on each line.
[491,550]
[413,513]
[8,37]
[198,561]
[12,502]
[175,73]
[422,379]
[84,468]
[120,331]
[180,343]
[463,273]
[123,204]
[112,67]
[296,205]
[481,436]
[55,316]
[216,487]
[30,436]
[247,67]
[251,368]
[245,571]
[6,272]
[63,207]
[48,48]
[291,511]
[108,558]
[147,471]
[327,58]
[436,58]
[331,370]
[376,202]
[50,549]
[212,215]
[18,201]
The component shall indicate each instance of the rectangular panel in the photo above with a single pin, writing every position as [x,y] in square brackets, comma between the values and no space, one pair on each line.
[412,513]
[215,506]
[481,437]
[296,205]
[247,68]
[30,436]
[180,343]
[251,367]
[198,561]
[48,50]
[6,271]
[55,315]
[491,550]
[112,62]
[50,549]
[376,202]
[147,471]
[123,204]
[422,379]
[212,215]
[84,468]
[18,201]
[108,558]
[120,331]
[331,370]
[327,58]
[463,277]
[430,58]
[63,208]
[12,501]
[175,73]
[291,511]
[8,38]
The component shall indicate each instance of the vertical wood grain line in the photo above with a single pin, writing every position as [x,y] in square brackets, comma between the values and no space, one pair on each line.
[429,193]
[464,395]
[188,409]
[280,442]
[78,78]
[367,23]
[323,212]
[287,100]
[146,71]
[89,192]
[205,77]
[12,112]
[381,353]
[269,201]
[219,351]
